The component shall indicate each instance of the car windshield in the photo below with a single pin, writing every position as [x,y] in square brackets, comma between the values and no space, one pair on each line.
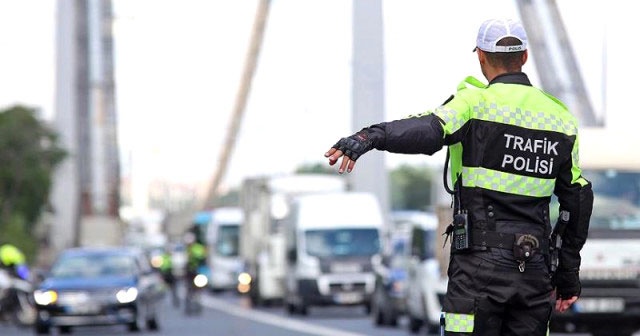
[616,204]
[342,242]
[93,266]
[227,240]
[616,199]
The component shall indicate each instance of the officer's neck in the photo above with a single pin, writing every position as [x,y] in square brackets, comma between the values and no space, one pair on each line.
[490,73]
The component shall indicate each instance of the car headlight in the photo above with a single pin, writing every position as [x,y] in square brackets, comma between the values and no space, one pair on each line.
[127,295]
[244,278]
[200,280]
[244,282]
[156,261]
[44,298]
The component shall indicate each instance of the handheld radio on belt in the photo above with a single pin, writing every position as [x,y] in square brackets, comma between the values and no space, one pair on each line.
[459,229]
[461,232]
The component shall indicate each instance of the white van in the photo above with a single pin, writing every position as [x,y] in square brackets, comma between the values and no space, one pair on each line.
[426,286]
[331,239]
[223,241]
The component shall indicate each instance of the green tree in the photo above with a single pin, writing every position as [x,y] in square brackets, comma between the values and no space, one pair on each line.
[315,168]
[411,187]
[230,198]
[29,152]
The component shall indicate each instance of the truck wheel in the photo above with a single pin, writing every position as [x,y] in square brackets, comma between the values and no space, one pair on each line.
[254,294]
[41,329]
[433,329]
[303,309]
[392,319]
[414,325]
[291,309]
[152,324]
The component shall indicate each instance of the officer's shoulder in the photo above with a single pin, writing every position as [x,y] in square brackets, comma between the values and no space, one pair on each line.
[471,82]
[555,99]
[468,87]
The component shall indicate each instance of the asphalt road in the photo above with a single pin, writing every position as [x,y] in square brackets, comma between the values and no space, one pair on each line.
[230,315]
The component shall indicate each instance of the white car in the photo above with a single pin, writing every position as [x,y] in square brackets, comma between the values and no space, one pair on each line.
[426,286]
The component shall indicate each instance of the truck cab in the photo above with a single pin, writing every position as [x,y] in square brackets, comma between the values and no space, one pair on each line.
[223,243]
[331,239]
[610,269]
[265,203]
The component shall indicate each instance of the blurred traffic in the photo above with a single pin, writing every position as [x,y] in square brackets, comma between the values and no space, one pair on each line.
[16,304]
[84,249]
[277,249]
[99,286]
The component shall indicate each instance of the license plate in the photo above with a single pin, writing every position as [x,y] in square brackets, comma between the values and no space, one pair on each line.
[83,309]
[346,298]
[599,305]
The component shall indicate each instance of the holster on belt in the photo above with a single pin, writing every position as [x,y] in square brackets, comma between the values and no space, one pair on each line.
[522,245]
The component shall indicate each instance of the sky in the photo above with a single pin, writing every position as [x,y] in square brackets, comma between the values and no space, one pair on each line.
[179,62]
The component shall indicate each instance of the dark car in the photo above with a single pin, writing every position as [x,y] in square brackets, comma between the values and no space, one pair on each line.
[99,286]
[388,299]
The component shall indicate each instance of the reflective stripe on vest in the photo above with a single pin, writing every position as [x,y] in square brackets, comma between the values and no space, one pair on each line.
[537,120]
[500,104]
[506,182]
[458,322]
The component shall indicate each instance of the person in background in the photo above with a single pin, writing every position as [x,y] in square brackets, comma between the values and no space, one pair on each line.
[511,146]
[196,259]
[14,261]
[166,269]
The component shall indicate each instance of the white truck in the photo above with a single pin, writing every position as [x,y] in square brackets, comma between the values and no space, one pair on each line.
[223,243]
[331,239]
[264,201]
[610,271]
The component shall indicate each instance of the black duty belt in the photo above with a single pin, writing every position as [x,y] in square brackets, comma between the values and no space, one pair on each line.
[484,238]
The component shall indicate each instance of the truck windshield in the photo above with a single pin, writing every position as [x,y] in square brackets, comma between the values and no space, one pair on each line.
[342,242]
[616,203]
[227,240]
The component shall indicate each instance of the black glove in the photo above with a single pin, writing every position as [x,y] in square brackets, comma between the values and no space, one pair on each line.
[355,145]
[567,284]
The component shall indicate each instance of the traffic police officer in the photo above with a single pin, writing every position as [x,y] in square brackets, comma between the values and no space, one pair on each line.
[166,269]
[511,146]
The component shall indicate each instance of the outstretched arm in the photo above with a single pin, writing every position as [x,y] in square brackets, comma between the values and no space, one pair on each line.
[422,134]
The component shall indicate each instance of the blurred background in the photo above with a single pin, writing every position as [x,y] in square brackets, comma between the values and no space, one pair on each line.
[170,73]
[155,110]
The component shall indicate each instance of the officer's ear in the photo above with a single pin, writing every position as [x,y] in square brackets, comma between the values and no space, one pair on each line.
[482,58]
[525,56]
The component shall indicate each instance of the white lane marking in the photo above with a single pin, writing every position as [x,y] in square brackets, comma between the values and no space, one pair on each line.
[275,320]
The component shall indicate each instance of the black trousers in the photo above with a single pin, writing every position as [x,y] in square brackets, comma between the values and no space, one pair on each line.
[487,295]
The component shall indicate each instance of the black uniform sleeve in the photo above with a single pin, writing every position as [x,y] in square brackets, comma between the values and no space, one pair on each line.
[415,135]
[578,200]
[575,196]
